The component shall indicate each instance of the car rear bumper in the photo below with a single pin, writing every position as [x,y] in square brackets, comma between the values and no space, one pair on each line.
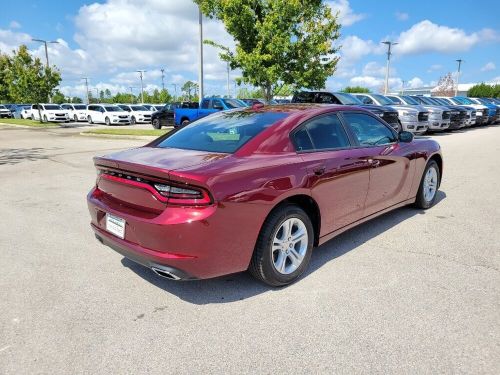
[197,242]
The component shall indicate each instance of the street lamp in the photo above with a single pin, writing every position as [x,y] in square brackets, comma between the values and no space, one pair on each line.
[87,88]
[200,73]
[162,79]
[389,45]
[46,54]
[141,72]
[175,90]
[459,61]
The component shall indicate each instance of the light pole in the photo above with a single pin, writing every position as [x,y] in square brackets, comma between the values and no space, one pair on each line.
[403,87]
[141,72]
[389,45]
[97,98]
[459,61]
[46,54]
[175,90]
[131,94]
[200,73]
[87,88]
[228,89]
[162,79]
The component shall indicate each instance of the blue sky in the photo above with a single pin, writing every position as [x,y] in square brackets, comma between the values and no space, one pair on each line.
[109,40]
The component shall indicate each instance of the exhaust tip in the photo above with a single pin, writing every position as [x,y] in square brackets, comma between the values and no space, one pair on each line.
[165,274]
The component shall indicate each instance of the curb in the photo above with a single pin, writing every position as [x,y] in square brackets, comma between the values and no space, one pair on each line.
[30,127]
[119,136]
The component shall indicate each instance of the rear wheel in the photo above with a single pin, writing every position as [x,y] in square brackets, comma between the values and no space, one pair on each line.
[185,122]
[427,192]
[284,246]
[156,123]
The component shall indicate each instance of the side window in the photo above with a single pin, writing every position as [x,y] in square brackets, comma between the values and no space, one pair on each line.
[321,133]
[217,104]
[368,130]
[327,98]
[395,99]
[101,109]
[204,104]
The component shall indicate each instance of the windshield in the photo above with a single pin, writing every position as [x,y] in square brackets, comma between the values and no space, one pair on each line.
[222,132]
[233,103]
[112,108]
[462,100]
[382,99]
[347,99]
[483,101]
[410,100]
[138,108]
[2,107]
[80,106]
[51,107]
[441,101]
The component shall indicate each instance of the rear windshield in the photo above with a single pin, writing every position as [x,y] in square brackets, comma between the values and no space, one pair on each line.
[222,132]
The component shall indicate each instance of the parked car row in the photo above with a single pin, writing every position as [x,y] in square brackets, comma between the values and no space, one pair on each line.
[416,114]
[109,114]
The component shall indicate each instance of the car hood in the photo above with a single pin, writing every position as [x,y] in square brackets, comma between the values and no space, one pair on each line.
[119,113]
[434,108]
[408,108]
[53,111]
[376,108]
[141,113]
[158,161]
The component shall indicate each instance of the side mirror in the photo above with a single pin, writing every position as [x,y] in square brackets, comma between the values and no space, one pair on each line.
[405,137]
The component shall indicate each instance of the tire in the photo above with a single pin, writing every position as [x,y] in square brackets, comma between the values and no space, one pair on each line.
[75,118]
[184,122]
[107,122]
[32,118]
[269,251]
[426,199]
[45,118]
[132,120]
[156,123]
[89,119]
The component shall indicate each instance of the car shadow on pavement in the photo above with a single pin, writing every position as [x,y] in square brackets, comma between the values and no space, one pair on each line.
[19,155]
[242,285]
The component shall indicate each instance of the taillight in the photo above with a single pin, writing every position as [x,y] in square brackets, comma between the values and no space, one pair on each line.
[175,193]
[184,195]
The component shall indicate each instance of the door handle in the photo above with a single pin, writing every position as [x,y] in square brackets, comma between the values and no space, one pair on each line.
[371,162]
[319,171]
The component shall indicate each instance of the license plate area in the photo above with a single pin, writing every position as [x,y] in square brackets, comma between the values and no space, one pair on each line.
[115,225]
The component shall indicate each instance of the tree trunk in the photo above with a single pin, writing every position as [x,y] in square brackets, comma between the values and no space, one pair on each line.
[268,92]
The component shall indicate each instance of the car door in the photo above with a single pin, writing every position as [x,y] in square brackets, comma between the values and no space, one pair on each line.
[339,177]
[391,165]
[167,115]
[205,108]
[365,99]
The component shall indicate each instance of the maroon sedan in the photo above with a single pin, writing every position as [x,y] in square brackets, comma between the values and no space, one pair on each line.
[256,189]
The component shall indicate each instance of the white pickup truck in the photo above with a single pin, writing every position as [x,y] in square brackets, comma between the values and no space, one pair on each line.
[47,112]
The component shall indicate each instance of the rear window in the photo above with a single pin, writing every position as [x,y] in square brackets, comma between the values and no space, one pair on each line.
[222,132]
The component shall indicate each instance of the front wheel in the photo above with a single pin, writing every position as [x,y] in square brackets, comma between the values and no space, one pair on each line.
[284,246]
[132,120]
[89,120]
[156,123]
[106,121]
[427,192]
[45,118]
[75,118]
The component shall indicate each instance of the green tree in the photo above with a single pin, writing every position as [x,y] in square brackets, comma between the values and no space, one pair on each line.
[483,90]
[360,89]
[26,79]
[76,99]
[278,42]
[189,89]
[58,97]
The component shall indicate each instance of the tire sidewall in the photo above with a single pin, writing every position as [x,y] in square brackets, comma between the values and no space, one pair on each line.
[421,201]
[272,227]
[107,121]
[156,124]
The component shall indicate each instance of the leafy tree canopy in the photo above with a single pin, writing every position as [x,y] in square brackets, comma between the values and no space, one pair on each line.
[360,89]
[278,42]
[483,90]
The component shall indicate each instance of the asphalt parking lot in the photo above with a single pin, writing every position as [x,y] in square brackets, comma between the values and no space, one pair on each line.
[409,292]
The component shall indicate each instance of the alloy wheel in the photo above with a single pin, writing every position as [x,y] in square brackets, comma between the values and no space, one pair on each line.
[430,184]
[289,246]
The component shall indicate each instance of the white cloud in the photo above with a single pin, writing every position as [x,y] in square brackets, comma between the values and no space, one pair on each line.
[401,16]
[488,67]
[434,67]
[426,36]
[373,68]
[414,83]
[10,40]
[495,80]
[14,25]
[346,15]
[354,48]
[375,83]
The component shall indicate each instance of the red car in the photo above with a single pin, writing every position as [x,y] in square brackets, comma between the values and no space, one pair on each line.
[257,188]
